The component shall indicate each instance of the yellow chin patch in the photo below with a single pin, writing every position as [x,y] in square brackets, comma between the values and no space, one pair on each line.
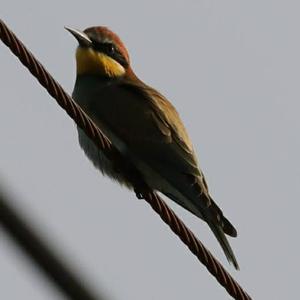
[92,62]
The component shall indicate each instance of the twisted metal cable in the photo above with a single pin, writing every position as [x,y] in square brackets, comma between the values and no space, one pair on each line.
[83,121]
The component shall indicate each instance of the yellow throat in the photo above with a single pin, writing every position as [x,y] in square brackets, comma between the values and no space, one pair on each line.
[92,62]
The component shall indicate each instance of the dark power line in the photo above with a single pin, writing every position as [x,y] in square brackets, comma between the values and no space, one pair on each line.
[41,254]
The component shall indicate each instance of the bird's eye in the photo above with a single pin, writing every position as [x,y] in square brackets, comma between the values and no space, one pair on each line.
[110,48]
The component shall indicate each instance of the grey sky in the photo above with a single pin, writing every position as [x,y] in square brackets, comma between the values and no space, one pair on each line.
[231,68]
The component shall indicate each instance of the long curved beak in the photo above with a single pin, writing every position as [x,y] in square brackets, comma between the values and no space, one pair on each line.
[80,36]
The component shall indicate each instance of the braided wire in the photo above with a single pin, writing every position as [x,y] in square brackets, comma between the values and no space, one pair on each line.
[158,205]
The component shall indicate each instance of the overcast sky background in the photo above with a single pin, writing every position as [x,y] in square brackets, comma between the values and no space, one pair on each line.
[231,68]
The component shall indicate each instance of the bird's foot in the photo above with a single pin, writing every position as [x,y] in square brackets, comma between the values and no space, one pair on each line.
[139,193]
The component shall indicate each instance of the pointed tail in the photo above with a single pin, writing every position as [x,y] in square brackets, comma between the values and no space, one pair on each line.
[219,234]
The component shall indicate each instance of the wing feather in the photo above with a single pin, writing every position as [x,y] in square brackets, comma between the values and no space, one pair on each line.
[151,128]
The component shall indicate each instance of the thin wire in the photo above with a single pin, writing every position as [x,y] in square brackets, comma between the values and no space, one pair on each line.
[39,252]
[166,214]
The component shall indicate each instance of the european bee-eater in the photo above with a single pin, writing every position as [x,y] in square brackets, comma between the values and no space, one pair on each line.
[144,126]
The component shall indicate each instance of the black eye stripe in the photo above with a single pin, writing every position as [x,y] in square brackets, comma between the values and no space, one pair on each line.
[108,48]
[111,50]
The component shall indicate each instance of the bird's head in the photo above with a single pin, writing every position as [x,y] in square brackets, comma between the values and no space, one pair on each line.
[100,52]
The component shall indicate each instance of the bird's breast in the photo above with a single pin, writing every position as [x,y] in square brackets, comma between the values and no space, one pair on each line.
[88,90]
[99,159]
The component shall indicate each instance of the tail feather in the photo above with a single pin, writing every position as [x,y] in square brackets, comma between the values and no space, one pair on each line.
[227,227]
[217,222]
[219,234]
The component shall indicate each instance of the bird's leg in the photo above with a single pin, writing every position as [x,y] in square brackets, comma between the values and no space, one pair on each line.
[133,176]
[141,190]
[138,193]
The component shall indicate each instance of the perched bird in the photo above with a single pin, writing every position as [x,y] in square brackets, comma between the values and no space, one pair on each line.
[144,126]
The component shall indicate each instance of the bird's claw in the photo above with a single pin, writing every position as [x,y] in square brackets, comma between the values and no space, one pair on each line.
[139,194]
